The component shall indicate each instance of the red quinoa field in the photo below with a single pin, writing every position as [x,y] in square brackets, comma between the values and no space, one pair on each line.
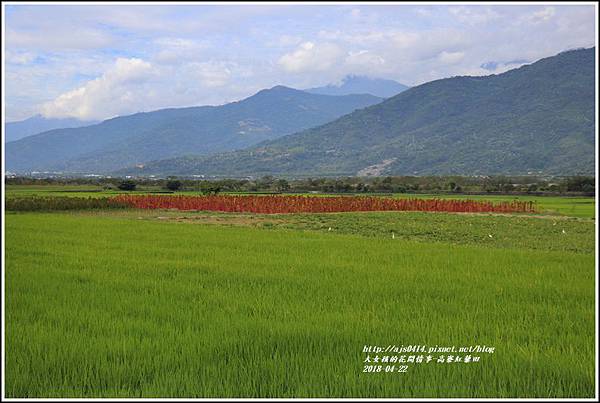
[306,204]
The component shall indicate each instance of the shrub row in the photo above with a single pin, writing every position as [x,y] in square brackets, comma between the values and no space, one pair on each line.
[41,203]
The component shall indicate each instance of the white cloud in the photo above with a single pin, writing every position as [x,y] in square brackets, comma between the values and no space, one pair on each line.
[364,58]
[543,15]
[135,85]
[111,94]
[59,38]
[359,38]
[364,16]
[474,15]
[406,40]
[210,74]
[423,12]
[311,57]
[421,46]
[451,57]
[22,58]
[289,40]
[176,50]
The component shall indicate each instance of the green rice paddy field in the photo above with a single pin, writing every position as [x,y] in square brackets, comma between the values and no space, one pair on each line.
[149,303]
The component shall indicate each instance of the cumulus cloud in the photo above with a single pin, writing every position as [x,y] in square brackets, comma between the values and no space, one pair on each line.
[311,57]
[135,85]
[111,94]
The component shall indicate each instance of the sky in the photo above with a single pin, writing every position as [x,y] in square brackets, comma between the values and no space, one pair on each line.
[94,62]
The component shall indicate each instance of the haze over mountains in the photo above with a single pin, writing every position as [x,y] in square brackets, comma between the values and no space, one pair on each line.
[361,85]
[128,140]
[38,124]
[538,118]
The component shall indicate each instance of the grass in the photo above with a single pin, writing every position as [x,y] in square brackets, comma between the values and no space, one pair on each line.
[584,207]
[533,232]
[108,305]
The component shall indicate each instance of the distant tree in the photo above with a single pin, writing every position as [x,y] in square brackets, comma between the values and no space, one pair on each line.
[250,187]
[173,185]
[401,189]
[580,184]
[282,185]
[209,188]
[266,182]
[507,187]
[454,187]
[341,186]
[127,185]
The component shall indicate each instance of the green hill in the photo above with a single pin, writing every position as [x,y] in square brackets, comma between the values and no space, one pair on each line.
[537,118]
[38,124]
[130,140]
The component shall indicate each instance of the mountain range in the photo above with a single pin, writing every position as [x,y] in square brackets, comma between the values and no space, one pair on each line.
[38,124]
[539,118]
[354,84]
[132,140]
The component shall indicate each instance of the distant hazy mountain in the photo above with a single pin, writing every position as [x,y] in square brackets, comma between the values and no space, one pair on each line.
[537,118]
[362,85]
[37,124]
[135,139]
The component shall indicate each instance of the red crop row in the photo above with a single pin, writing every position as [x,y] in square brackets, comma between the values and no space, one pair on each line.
[308,204]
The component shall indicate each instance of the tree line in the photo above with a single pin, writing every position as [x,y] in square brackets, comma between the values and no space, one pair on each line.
[584,185]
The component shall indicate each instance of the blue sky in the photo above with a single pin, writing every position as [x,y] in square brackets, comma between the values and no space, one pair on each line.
[100,61]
